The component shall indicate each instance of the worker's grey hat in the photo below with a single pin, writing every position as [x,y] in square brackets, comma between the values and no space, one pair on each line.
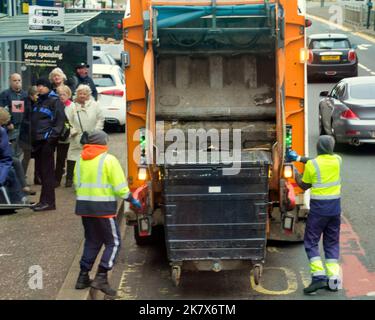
[98,137]
[325,145]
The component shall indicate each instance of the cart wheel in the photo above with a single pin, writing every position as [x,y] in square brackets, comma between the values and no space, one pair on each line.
[176,275]
[257,274]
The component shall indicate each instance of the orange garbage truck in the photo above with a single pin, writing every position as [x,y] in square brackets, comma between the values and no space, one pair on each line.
[216,95]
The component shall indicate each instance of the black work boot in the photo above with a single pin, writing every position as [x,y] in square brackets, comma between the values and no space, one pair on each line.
[101,283]
[83,280]
[315,286]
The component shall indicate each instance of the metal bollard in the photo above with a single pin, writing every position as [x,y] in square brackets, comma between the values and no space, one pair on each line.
[369,7]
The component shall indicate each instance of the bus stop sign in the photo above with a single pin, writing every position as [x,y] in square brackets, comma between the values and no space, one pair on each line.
[46,18]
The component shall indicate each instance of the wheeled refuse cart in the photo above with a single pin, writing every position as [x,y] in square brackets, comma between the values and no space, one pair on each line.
[216,220]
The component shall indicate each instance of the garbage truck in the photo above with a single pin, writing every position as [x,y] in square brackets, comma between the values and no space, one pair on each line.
[216,95]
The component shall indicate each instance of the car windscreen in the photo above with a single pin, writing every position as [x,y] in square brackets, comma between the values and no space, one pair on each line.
[363,91]
[103,80]
[329,44]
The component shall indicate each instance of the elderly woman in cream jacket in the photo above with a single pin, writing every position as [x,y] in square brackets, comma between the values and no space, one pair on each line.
[86,115]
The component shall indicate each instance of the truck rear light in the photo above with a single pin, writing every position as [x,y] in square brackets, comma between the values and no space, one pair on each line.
[352,56]
[115,92]
[311,56]
[288,136]
[288,171]
[304,55]
[349,115]
[142,174]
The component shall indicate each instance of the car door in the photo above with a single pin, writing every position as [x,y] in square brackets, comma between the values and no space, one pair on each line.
[338,104]
[326,107]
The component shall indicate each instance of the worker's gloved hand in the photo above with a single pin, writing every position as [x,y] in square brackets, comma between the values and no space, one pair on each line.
[291,155]
[136,203]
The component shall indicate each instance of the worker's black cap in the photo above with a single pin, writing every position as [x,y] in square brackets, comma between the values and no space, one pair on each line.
[82,65]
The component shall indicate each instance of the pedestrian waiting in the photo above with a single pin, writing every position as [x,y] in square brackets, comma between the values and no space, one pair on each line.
[84,115]
[82,77]
[65,95]
[47,123]
[58,78]
[14,99]
[10,185]
[16,162]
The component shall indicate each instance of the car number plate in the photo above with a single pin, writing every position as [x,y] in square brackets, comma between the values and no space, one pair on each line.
[330,58]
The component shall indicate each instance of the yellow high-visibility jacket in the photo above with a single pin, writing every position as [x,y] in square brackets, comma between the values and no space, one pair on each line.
[99,181]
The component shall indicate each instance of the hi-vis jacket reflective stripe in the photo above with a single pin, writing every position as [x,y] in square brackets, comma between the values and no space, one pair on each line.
[326,178]
[98,182]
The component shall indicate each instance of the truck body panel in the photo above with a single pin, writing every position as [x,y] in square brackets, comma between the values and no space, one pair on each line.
[197,69]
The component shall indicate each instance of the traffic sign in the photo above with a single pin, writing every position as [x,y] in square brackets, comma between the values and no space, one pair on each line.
[46,18]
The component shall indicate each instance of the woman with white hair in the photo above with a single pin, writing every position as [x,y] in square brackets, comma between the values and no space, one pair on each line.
[84,115]
[58,78]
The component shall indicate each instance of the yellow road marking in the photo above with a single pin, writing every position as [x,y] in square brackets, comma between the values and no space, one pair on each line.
[330,23]
[338,26]
[273,250]
[306,278]
[364,36]
[291,279]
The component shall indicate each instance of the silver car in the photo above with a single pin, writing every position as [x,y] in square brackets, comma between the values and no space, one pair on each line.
[348,111]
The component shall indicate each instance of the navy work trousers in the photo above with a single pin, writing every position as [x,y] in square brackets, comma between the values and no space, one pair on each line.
[328,226]
[99,231]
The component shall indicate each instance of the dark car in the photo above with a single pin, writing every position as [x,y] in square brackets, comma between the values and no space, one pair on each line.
[331,56]
[348,111]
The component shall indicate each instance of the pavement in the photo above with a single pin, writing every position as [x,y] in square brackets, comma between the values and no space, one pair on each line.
[50,242]
[329,11]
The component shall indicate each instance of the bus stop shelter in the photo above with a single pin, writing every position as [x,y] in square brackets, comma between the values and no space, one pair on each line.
[15,36]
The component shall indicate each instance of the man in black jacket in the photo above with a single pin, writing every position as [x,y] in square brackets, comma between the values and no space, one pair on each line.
[82,77]
[47,122]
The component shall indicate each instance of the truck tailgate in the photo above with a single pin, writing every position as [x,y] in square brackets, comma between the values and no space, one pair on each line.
[210,215]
